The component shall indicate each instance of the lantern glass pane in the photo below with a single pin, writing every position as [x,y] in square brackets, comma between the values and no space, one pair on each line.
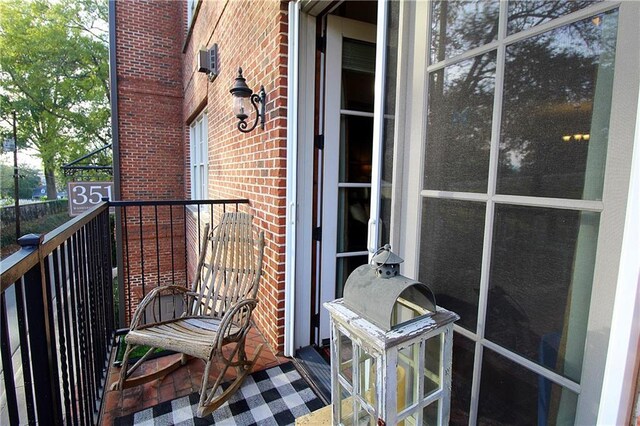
[346,406]
[430,413]
[367,383]
[432,364]
[345,355]
[406,309]
[364,418]
[241,107]
[407,376]
[410,420]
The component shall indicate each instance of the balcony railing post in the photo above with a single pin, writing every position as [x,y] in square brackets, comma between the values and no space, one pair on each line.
[41,338]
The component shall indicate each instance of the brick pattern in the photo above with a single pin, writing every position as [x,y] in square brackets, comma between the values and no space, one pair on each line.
[251,35]
[160,93]
[149,40]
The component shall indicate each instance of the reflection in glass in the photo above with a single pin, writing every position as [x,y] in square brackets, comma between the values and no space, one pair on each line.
[345,355]
[462,374]
[458,26]
[527,14]
[367,373]
[557,103]
[363,418]
[540,284]
[451,255]
[430,413]
[358,68]
[459,125]
[513,395]
[407,369]
[344,268]
[432,365]
[353,216]
[356,134]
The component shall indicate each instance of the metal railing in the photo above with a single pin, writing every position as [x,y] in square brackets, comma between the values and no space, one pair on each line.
[58,307]
[57,323]
[157,240]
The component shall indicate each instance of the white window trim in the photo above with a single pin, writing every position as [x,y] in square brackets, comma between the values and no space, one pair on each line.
[199,164]
[192,5]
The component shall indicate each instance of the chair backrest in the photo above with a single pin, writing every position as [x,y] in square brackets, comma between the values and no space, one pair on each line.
[229,267]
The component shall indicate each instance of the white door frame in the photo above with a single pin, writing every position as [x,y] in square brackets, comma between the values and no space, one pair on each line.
[338,28]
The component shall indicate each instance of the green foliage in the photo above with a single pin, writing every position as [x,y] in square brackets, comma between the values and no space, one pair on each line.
[54,73]
[29,180]
[41,225]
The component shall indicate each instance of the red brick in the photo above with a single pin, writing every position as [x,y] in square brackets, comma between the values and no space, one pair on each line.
[160,91]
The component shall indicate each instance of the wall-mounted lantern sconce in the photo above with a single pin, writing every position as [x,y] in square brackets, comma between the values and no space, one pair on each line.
[208,62]
[242,96]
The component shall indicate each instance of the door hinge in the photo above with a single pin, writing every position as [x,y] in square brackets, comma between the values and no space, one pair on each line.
[321,43]
[315,320]
[318,141]
[316,234]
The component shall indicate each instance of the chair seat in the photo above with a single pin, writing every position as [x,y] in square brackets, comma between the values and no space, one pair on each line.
[195,336]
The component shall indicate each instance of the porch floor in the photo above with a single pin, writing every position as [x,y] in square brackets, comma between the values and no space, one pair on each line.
[183,381]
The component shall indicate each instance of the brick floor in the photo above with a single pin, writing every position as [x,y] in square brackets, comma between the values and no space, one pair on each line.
[181,382]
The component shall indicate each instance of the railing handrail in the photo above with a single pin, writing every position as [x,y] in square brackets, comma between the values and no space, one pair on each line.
[17,264]
[177,202]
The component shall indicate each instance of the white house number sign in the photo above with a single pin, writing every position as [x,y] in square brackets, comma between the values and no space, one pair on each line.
[84,195]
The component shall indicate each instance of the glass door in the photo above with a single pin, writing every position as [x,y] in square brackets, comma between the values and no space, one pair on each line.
[348,142]
[510,178]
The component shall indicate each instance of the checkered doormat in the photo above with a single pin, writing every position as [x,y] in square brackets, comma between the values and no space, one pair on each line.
[276,396]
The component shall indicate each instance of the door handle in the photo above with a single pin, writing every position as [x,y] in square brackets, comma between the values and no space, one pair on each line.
[372,236]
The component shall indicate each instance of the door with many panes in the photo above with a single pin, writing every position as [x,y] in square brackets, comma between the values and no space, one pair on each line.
[510,195]
[348,138]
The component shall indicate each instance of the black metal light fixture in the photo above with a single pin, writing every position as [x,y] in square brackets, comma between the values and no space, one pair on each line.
[242,96]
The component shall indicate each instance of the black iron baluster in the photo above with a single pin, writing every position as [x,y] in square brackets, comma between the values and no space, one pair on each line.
[142,278]
[47,288]
[24,350]
[126,245]
[186,253]
[40,344]
[173,268]
[87,324]
[99,296]
[67,300]
[92,301]
[7,364]
[59,296]
[77,318]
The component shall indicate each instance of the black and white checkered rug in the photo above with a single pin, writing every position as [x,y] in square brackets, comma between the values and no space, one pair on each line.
[276,396]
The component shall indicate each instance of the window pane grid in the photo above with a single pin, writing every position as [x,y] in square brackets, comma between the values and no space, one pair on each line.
[493,201]
[199,157]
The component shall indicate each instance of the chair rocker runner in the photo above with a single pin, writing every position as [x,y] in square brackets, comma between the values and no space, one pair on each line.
[217,312]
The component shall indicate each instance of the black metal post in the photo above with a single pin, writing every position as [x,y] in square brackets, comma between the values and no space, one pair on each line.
[16,176]
[41,338]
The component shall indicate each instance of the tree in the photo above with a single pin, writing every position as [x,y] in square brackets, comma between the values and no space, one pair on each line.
[54,74]
[29,180]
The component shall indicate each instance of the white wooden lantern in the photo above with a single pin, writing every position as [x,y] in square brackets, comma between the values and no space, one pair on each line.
[390,349]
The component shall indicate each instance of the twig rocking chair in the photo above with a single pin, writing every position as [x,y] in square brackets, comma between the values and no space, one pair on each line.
[217,312]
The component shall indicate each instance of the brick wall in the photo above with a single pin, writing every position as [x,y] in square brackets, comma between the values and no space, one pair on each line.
[149,38]
[253,35]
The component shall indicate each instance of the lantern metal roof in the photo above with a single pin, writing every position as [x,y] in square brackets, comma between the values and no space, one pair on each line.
[377,297]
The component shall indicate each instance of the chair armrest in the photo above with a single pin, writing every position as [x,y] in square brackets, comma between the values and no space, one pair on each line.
[240,316]
[152,296]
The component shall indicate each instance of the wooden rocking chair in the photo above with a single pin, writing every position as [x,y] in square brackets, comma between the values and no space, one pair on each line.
[217,312]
